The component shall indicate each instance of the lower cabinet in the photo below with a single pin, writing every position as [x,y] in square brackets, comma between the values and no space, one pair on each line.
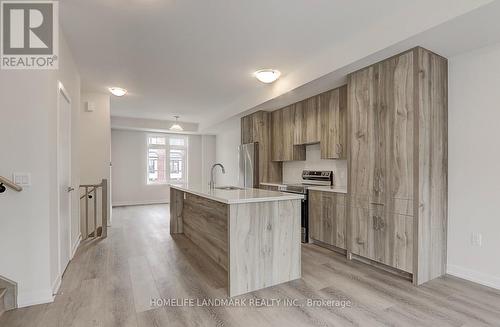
[327,218]
[382,236]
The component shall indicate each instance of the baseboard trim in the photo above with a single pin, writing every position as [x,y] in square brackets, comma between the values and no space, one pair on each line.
[137,203]
[34,298]
[75,246]
[56,285]
[474,276]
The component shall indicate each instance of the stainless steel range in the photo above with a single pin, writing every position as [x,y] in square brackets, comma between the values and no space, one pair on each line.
[309,178]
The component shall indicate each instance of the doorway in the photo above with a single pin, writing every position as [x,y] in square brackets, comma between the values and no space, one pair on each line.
[64,177]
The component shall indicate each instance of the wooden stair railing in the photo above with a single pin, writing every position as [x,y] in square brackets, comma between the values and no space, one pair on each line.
[91,192]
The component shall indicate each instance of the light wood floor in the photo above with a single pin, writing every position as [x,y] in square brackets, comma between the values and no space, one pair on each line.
[111,282]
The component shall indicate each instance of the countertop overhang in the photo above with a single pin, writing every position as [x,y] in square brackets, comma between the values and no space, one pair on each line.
[245,195]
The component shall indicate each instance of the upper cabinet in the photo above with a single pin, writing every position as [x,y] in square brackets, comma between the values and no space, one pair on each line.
[307,129]
[318,119]
[333,123]
[257,128]
[283,126]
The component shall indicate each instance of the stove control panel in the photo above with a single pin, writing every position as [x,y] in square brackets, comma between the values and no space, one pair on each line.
[317,175]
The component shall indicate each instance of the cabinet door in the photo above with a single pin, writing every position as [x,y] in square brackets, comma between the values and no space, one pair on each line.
[277,136]
[381,124]
[391,132]
[299,120]
[333,112]
[361,102]
[307,121]
[327,218]
[315,212]
[283,137]
[383,237]
[313,121]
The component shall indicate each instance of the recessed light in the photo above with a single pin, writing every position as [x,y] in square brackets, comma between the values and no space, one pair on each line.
[117,91]
[176,127]
[267,75]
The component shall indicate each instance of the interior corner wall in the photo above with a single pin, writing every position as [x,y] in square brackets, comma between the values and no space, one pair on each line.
[95,142]
[28,118]
[129,152]
[474,154]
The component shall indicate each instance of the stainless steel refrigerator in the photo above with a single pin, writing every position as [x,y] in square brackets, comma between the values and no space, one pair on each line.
[248,157]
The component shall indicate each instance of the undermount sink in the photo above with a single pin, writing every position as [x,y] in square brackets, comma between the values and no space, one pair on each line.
[228,188]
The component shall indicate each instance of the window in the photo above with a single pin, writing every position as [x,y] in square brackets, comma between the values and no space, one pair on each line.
[167,158]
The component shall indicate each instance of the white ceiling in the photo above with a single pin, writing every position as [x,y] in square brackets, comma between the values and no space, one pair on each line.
[196,58]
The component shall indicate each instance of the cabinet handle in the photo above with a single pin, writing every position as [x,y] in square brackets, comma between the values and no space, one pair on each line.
[378,223]
[338,149]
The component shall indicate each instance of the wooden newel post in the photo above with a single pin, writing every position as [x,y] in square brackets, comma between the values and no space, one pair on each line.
[104,208]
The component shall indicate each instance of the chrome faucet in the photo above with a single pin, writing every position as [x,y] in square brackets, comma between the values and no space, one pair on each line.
[212,183]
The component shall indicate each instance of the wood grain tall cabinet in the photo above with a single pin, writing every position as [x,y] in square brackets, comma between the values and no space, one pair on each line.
[333,123]
[397,163]
[257,128]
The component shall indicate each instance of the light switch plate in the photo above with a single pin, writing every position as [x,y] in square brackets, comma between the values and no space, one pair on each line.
[22,179]
[90,106]
[477,239]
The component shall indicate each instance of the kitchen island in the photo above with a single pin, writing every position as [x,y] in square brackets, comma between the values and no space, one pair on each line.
[253,234]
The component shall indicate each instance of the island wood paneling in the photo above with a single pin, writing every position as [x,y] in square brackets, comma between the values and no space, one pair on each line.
[205,223]
[264,242]
[397,131]
[327,218]
[176,205]
[333,121]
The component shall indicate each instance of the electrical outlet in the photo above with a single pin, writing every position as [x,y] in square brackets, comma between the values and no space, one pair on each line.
[476,239]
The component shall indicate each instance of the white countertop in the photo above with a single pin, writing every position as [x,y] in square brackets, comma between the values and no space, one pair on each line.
[272,184]
[334,189]
[247,195]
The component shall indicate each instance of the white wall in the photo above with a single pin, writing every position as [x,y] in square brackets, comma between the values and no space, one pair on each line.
[95,143]
[292,170]
[209,153]
[228,138]
[129,167]
[28,124]
[474,157]
[95,139]
[68,75]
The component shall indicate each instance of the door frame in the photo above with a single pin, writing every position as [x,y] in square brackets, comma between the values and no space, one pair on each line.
[61,91]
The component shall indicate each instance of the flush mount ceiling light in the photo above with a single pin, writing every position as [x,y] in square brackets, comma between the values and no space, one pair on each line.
[117,91]
[176,127]
[267,75]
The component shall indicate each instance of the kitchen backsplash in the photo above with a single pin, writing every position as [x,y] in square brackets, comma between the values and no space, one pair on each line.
[292,170]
